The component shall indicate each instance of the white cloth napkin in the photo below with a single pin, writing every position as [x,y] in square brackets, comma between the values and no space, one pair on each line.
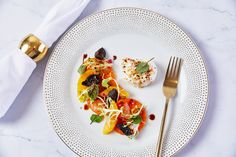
[16,68]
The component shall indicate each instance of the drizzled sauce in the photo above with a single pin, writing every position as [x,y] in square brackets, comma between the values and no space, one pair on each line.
[84,57]
[86,107]
[152,117]
[114,57]
[109,61]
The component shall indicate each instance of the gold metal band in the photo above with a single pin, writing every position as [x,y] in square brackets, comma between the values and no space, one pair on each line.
[33,47]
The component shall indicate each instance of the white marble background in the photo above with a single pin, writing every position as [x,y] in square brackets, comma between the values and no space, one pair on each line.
[25,131]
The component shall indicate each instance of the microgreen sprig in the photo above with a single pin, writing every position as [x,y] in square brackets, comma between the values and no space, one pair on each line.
[143,67]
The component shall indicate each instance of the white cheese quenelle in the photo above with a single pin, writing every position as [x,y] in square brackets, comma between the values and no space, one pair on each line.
[134,77]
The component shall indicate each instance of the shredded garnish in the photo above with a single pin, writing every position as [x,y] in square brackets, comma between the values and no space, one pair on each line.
[138,111]
[103,101]
[135,131]
[85,91]
[112,115]
[112,110]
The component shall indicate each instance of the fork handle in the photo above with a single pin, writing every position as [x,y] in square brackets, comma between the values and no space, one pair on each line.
[161,134]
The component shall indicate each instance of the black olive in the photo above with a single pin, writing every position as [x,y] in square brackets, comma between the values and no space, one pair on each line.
[113,94]
[92,79]
[125,129]
[100,54]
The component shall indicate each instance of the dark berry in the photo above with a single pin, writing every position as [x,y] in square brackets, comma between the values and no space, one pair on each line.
[92,79]
[125,129]
[100,54]
[113,94]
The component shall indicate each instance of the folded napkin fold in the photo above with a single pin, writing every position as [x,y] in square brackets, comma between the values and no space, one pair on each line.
[17,67]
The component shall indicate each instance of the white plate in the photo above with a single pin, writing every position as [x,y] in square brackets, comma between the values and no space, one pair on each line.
[135,33]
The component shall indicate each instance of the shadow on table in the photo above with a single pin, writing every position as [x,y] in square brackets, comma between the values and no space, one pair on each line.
[212,102]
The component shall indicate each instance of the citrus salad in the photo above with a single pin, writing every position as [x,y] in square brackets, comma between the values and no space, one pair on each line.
[98,89]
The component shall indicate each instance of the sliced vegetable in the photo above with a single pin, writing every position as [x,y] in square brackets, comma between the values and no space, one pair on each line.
[126,114]
[82,78]
[111,119]
[97,106]
[123,92]
[108,72]
[83,96]
[143,114]
[131,110]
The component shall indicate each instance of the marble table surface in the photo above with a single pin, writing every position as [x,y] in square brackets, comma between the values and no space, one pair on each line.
[25,131]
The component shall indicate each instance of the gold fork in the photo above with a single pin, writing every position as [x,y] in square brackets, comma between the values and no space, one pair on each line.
[169,90]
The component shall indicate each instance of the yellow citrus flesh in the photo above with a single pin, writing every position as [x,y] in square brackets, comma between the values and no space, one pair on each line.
[111,120]
[123,92]
[82,78]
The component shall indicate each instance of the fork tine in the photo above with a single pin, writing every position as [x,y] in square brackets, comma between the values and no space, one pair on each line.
[179,68]
[172,68]
[176,68]
[168,68]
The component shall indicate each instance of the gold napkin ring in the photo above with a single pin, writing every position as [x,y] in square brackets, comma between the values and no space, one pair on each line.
[33,47]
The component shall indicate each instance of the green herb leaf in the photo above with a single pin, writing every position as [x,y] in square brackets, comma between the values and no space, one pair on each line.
[93,92]
[105,82]
[96,118]
[82,68]
[137,119]
[142,67]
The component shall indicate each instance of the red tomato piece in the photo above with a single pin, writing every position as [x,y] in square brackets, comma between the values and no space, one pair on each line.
[96,106]
[128,105]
